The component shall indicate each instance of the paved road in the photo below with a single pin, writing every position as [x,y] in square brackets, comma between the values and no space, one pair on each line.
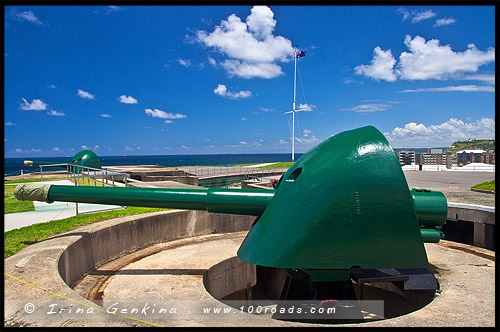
[447,179]
[443,179]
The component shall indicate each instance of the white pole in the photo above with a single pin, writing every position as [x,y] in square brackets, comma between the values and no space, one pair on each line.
[293,106]
[294,80]
[293,135]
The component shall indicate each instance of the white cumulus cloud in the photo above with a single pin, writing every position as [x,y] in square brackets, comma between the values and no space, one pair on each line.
[156,113]
[425,60]
[423,15]
[251,70]
[488,78]
[381,66]
[308,137]
[128,148]
[250,47]
[26,16]
[104,115]
[415,15]
[462,88]
[212,61]
[56,113]
[114,9]
[127,99]
[306,107]
[444,22]
[429,60]
[222,91]
[35,105]
[85,95]
[420,135]
[186,63]
[367,108]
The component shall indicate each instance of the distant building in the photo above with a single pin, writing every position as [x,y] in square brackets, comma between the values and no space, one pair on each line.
[465,157]
[433,157]
[406,157]
[418,158]
[490,157]
[451,159]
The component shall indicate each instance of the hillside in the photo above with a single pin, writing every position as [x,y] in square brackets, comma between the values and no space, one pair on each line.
[479,144]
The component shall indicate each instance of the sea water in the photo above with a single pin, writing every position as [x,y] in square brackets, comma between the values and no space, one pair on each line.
[13,166]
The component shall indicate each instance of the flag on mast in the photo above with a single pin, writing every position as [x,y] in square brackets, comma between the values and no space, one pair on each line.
[300,54]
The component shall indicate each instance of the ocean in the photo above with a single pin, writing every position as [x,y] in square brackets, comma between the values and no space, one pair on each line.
[13,166]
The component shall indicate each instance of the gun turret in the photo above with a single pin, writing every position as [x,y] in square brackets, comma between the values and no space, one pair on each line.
[85,158]
[343,204]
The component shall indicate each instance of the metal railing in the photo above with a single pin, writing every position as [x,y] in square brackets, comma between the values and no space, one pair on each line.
[97,176]
[223,177]
[224,182]
[89,176]
[205,171]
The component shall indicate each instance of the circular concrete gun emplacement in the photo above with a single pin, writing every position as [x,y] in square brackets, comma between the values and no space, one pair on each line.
[178,268]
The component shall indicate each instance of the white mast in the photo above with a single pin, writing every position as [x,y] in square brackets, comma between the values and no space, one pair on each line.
[294,110]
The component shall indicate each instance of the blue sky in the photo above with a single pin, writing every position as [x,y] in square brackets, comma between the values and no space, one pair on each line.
[152,80]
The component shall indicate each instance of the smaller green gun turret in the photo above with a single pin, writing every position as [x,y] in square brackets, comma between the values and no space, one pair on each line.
[85,158]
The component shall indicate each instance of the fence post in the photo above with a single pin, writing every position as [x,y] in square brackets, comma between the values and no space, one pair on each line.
[76,203]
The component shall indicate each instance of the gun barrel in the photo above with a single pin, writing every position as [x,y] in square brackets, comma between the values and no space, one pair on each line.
[232,201]
[38,163]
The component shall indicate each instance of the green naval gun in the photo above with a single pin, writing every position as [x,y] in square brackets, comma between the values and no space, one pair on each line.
[85,158]
[342,211]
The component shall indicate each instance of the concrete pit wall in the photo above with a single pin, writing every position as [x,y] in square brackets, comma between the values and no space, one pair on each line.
[115,239]
[69,256]
[475,225]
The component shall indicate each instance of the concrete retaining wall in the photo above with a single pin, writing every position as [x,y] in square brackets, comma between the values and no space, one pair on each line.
[483,219]
[101,245]
[111,241]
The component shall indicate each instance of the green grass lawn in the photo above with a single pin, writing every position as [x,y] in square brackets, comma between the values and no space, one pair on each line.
[279,165]
[490,185]
[12,205]
[274,165]
[10,202]
[33,180]
[17,239]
